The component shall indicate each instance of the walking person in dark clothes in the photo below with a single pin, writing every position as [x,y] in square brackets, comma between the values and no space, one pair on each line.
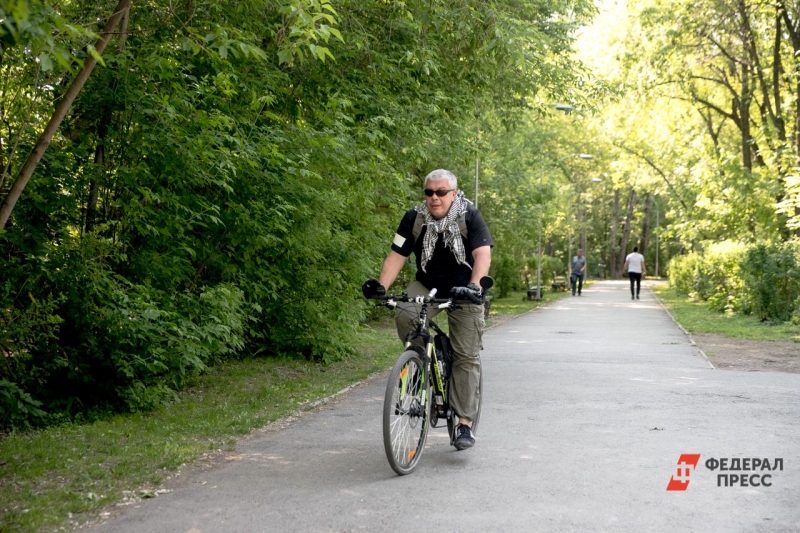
[636,270]
[578,270]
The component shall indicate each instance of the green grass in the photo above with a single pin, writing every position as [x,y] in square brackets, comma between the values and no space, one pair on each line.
[516,302]
[696,317]
[56,478]
[48,475]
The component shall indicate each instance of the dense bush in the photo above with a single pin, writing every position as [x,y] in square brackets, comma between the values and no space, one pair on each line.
[550,267]
[507,273]
[732,277]
[772,276]
[713,276]
[106,343]
[682,270]
[511,274]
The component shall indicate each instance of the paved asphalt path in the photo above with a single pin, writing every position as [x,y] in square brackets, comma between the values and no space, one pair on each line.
[589,403]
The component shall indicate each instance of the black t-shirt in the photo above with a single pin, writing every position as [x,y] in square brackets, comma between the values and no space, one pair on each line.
[443,270]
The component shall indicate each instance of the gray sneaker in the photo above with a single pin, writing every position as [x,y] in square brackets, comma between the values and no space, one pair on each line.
[464,437]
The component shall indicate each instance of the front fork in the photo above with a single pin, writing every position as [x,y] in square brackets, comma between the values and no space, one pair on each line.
[431,363]
[439,407]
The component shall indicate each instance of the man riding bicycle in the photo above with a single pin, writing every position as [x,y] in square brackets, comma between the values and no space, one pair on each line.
[452,245]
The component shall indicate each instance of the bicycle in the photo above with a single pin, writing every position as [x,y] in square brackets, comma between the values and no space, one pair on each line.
[417,392]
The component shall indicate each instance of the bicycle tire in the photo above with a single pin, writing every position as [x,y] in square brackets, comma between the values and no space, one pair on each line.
[406,410]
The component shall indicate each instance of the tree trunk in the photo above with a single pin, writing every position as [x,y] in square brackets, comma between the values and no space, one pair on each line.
[102,131]
[794,37]
[579,215]
[626,232]
[2,164]
[26,172]
[744,113]
[777,72]
[583,228]
[648,207]
[94,184]
[613,272]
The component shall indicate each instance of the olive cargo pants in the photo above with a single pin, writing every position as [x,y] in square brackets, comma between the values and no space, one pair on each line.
[466,330]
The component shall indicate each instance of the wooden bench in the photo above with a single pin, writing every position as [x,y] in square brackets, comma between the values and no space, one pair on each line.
[559,283]
[532,293]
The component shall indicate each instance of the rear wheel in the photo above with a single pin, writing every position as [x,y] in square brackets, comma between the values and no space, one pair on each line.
[406,407]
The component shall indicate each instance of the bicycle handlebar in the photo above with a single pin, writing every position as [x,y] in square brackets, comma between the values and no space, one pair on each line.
[392,300]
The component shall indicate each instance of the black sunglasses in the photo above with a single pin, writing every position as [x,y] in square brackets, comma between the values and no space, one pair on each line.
[440,193]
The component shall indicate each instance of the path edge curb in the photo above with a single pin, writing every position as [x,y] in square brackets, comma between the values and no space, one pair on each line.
[688,335]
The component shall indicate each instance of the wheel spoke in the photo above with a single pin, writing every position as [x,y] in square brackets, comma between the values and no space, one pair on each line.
[405,414]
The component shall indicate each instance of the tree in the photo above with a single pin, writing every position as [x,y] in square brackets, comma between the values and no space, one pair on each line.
[228,178]
[60,112]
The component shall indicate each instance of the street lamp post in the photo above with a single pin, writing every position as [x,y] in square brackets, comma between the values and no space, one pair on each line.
[566,108]
[539,246]
[577,208]
[582,214]
[657,274]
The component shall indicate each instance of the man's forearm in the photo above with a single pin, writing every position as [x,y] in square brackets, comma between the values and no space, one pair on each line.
[483,260]
[391,268]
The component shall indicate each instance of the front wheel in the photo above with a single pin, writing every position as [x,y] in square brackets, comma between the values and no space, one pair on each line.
[406,408]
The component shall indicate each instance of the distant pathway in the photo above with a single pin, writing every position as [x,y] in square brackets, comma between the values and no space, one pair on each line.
[589,403]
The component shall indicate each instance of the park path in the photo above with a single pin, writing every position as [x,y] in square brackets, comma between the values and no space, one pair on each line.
[589,403]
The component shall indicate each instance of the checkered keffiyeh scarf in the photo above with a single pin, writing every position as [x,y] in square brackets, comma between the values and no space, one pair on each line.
[448,227]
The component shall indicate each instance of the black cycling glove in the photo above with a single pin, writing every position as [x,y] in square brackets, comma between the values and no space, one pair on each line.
[372,288]
[470,292]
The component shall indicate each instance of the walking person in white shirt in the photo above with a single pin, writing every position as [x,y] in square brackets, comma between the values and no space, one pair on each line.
[635,265]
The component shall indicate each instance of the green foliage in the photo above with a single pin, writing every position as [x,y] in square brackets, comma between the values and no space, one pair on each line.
[683,271]
[17,408]
[248,164]
[772,275]
[506,271]
[38,29]
[308,22]
[550,266]
[762,278]
[714,276]
[120,344]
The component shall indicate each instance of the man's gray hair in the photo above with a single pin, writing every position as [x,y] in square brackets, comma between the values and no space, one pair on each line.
[442,174]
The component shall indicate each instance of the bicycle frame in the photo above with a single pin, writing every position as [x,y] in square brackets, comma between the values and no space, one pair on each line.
[428,353]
